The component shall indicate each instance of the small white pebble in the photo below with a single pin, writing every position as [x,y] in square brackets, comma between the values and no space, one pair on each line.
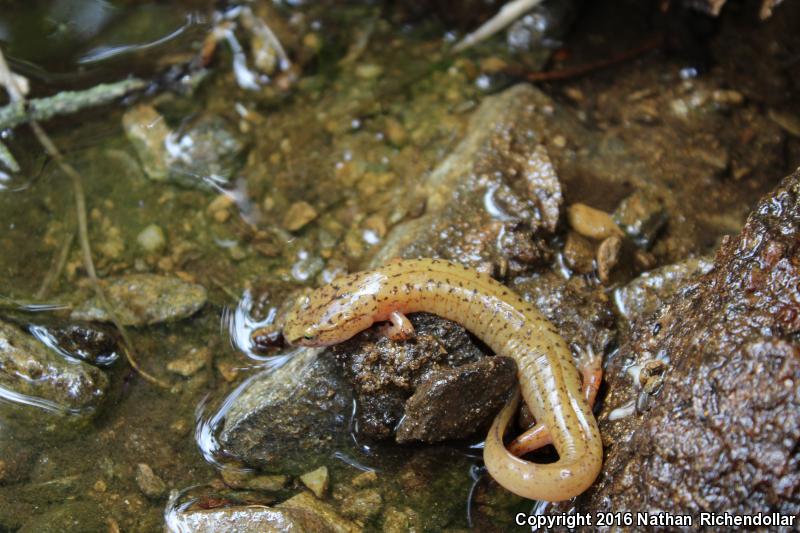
[152,239]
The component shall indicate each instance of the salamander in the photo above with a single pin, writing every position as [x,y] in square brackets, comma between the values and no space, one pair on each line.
[549,383]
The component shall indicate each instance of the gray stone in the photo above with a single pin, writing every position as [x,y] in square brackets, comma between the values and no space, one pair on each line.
[32,374]
[144,299]
[287,420]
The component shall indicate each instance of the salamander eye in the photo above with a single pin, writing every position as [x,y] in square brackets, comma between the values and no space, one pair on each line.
[308,337]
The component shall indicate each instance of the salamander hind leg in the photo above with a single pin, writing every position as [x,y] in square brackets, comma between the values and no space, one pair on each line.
[538,436]
[399,328]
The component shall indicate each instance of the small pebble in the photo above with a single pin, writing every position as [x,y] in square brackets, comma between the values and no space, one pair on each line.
[574,94]
[728,97]
[298,215]
[149,483]
[316,480]
[267,483]
[229,371]
[395,132]
[362,505]
[579,253]
[152,239]
[190,363]
[608,256]
[364,479]
[591,222]
[368,71]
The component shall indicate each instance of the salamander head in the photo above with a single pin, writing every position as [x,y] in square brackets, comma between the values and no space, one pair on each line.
[330,315]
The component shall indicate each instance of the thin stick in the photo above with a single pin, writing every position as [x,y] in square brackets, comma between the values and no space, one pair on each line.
[59,261]
[582,70]
[507,14]
[83,227]
[20,111]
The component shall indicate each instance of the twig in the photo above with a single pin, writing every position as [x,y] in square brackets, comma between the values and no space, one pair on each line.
[582,70]
[7,159]
[58,266]
[507,14]
[19,111]
[83,231]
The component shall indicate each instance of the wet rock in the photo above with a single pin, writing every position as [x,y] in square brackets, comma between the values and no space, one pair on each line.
[287,420]
[608,256]
[362,505]
[244,519]
[144,299]
[149,483]
[147,131]
[191,362]
[32,374]
[579,253]
[316,481]
[152,239]
[259,518]
[451,401]
[645,294]
[641,216]
[580,311]
[385,373]
[591,222]
[93,343]
[324,513]
[726,422]
[298,215]
[69,517]
[492,199]
[207,150]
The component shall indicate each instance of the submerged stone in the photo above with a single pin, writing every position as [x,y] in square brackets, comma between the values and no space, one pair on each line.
[206,152]
[68,517]
[294,517]
[144,299]
[32,374]
[287,420]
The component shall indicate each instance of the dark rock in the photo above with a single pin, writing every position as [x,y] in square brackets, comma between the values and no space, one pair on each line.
[287,420]
[91,343]
[386,373]
[580,311]
[724,432]
[578,253]
[455,401]
[32,374]
[490,204]
[645,294]
[641,216]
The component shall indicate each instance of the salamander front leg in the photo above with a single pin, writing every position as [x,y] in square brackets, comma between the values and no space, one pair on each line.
[591,367]
[400,327]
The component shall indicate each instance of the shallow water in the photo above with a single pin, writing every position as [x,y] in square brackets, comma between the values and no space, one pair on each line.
[375,106]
